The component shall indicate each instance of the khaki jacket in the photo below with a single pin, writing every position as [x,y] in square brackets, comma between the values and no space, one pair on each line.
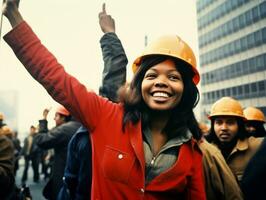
[241,154]
[220,183]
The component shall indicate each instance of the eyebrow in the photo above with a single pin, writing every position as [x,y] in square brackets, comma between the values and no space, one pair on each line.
[172,70]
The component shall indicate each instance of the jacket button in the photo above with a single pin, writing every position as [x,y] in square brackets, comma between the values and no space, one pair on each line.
[142,190]
[120,156]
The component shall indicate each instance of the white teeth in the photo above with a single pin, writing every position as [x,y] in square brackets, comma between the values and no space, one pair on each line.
[160,94]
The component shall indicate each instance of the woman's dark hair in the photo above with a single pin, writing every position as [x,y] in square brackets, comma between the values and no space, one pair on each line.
[182,116]
[241,134]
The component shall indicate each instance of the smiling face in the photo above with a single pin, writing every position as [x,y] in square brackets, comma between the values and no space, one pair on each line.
[162,86]
[225,128]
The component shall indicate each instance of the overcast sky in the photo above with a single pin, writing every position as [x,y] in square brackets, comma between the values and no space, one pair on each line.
[70,30]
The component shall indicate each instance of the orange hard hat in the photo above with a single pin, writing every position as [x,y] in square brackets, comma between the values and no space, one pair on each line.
[227,106]
[62,110]
[204,127]
[170,45]
[5,130]
[1,116]
[254,114]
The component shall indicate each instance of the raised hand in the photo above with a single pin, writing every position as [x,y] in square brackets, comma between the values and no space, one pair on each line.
[107,23]
[10,10]
[45,113]
[9,6]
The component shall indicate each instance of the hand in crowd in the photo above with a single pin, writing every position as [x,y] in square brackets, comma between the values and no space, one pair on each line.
[106,22]
[46,112]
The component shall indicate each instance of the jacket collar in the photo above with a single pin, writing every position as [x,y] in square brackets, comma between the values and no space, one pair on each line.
[241,145]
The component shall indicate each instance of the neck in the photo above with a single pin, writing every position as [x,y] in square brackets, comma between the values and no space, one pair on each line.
[159,120]
[227,147]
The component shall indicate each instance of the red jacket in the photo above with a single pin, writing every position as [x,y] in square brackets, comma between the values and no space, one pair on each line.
[118,158]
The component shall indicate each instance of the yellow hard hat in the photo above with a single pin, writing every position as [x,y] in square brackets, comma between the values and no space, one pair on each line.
[254,114]
[227,106]
[170,45]
[1,116]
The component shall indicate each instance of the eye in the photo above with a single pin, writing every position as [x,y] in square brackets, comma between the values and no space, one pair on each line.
[150,75]
[218,122]
[174,77]
[231,122]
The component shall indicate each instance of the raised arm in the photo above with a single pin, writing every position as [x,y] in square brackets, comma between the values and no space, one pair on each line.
[85,106]
[114,57]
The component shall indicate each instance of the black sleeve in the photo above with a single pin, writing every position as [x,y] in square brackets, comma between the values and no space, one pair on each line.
[52,138]
[253,181]
[115,62]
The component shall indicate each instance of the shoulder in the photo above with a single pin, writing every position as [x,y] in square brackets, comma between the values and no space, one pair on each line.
[206,147]
[69,126]
[80,140]
[254,143]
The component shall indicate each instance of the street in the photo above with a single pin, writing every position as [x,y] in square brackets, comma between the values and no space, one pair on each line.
[35,188]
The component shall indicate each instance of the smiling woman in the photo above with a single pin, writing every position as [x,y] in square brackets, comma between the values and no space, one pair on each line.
[162,86]
[78,33]
[145,148]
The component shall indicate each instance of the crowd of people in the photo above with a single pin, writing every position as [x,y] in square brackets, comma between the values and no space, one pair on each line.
[137,140]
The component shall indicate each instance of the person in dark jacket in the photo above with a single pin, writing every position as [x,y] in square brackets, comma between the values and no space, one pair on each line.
[57,139]
[18,148]
[31,151]
[78,172]
[254,179]
[7,180]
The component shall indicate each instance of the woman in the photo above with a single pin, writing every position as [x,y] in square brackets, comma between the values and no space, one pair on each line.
[145,147]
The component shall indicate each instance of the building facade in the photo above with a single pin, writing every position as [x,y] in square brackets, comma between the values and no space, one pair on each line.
[232,51]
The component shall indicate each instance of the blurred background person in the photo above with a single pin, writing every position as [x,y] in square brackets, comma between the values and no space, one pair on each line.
[2,120]
[7,179]
[255,122]
[17,148]
[31,153]
[57,139]
[205,129]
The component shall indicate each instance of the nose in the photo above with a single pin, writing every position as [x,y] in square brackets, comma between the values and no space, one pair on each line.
[224,126]
[160,82]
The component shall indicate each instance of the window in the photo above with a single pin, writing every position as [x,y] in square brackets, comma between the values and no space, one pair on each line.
[246,89]
[222,93]
[264,35]
[234,91]
[259,63]
[254,88]
[255,13]
[248,16]
[251,40]
[263,9]
[228,92]
[239,91]
[261,86]
[258,38]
